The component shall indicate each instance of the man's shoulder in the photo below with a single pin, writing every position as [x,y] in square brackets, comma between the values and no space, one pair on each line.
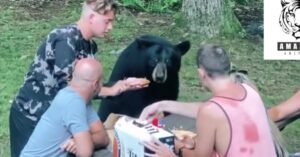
[211,109]
[64,33]
[68,96]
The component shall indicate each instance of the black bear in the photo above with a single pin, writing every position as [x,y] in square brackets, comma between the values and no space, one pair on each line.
[150,57]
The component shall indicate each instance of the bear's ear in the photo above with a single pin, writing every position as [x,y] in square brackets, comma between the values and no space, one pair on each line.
[144,43]
[183,47]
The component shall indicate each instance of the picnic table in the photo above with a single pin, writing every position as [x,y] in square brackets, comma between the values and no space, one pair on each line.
[171,122]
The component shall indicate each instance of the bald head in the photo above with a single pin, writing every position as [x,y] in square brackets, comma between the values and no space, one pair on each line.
[87,69]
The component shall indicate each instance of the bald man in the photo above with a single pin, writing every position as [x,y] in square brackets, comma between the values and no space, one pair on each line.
[70,125]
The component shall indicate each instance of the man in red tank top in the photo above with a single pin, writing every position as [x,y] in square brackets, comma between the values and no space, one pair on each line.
[232,123]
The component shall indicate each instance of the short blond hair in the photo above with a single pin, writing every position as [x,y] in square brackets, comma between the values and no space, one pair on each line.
[102,6]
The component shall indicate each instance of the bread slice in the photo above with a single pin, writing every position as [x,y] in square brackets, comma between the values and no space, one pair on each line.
[133,81]
[181,133]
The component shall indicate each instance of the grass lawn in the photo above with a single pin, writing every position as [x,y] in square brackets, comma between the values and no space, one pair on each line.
[21,32]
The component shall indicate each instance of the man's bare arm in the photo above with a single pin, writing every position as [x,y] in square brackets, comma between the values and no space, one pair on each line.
[99,135]
[120,86]
[188,109]
[286,108]
[207,120]
[84,144]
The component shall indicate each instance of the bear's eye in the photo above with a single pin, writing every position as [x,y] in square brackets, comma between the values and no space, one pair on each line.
[168,62]
[153,62]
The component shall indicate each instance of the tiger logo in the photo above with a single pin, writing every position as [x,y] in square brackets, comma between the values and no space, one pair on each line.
[289,19]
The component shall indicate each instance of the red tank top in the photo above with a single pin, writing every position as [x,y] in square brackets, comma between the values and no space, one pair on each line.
[249,128]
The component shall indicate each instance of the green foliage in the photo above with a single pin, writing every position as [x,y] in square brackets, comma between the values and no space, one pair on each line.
[136,4]
[245,2]
[241,1]
[179,19]
[231,27]
[31,3]
[40,4]
[230,24]
[153,5]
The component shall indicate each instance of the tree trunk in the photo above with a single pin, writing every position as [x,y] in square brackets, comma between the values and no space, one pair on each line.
[211,17]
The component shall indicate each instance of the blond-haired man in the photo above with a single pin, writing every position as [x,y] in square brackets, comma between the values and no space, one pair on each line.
[52,67]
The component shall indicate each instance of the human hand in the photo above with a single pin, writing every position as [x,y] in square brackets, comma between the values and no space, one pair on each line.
[119,87]
[151,111]
[69,146]
[131,83]
[136,83]
[160,149]
[185,138]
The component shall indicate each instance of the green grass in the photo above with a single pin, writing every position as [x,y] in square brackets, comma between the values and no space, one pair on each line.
[21,34]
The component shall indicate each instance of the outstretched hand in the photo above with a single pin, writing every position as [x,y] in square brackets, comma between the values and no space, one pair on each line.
[151,111]
[131,83]
[136,83]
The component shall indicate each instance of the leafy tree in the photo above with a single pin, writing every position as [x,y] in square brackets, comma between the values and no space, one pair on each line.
[152,5]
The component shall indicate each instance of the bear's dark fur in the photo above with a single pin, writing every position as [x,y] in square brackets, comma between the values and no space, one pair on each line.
[150,57]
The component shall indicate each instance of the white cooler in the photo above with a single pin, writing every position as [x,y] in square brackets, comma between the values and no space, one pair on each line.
[130,133]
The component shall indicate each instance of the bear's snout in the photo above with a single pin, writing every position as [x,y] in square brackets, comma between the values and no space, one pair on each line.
[159,73]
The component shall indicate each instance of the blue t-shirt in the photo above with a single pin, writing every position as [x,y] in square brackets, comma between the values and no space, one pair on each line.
[67,115]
